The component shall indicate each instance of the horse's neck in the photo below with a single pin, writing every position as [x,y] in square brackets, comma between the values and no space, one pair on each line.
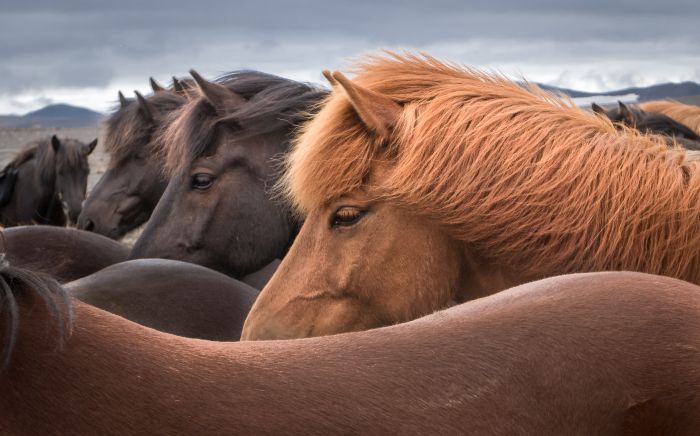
[32,197]
[481,277]
[54,211]
[153,195]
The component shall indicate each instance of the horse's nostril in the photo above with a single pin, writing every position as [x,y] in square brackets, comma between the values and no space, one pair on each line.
[89,225]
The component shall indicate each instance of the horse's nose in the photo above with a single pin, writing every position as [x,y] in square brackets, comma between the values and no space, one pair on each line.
[87,225]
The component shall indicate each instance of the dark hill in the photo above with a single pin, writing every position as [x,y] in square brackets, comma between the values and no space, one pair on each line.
[55,115]
[654,92]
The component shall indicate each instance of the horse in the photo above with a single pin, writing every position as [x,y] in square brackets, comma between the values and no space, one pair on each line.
[63,253]
[683,113]
[171,296]
[129,190]
[259,278]
[651,122]
[597,353]
[423,184]
[218,209]
[49,180]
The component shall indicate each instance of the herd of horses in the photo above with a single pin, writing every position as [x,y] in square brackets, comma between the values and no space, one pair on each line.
[445,250]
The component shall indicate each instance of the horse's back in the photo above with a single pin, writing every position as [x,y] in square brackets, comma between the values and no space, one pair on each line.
[171,296]
[64,253]
[596,353]
[618,351]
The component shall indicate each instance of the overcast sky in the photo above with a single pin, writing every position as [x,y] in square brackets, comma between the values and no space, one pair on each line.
[82,52]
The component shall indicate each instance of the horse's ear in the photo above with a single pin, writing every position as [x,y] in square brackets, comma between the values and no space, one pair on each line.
[123,102]
[177,86]
[55,143]
[378,112]
[626,114]
[155,86]
[329,76]
[599,109]
[217,95]
[147,108]
[91,146]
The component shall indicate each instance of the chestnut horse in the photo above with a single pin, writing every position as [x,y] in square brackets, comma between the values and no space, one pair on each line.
[424,184]
[651,122]
[597,353]
[683,113]
[50,180]
[129,190]
[171,296]
[218,209]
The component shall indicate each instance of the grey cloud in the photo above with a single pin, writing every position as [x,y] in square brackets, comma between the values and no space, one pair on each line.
[49,44]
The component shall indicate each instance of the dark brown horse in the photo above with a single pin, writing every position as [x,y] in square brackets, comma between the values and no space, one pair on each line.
[127,193]
[64,253]
[49,180]
[218,210]
[651,122]
[597,353]
[171,296]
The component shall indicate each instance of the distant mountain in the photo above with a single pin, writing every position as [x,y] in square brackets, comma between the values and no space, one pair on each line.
[654,92]
[64,115]
[570,92]
[55,115]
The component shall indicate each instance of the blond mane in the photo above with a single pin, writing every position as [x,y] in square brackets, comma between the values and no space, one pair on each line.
[683,113]
[523,176]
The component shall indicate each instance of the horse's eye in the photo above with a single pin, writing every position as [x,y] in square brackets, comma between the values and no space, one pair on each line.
[346,216]
[202,181]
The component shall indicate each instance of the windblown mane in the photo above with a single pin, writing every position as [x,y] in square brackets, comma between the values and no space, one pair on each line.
[523,176]
[683,113]
[273,104]
[128,130]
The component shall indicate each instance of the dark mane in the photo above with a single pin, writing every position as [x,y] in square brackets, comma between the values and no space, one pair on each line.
[39,150]
[128,129]
[274,104]
[18,285]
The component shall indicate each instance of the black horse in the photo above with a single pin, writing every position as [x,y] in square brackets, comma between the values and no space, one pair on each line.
[650,122]
[45,183]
